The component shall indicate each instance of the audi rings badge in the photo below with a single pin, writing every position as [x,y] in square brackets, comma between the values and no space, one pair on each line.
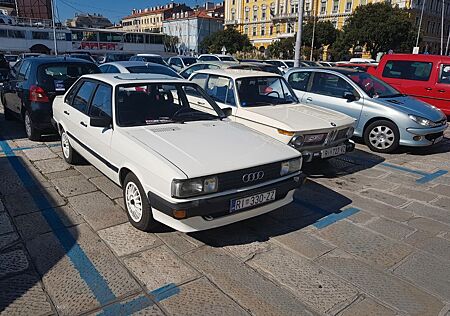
[251,177]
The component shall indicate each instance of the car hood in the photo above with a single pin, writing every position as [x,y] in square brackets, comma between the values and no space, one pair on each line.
[210,147]
[410,105]
[298,117]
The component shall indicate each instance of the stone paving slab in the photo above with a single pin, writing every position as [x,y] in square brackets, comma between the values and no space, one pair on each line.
[394,292]
[23,295]
[437,246]
[244,285]
[427,272]
[390,228]
[62,174]
[178,242]
[88,171]
[124,239]
[158,267]
[425,210]
[5,224]
[138,305]
[13,262]
[366,244]
[367,307]
[98,210]
[413,194]
[428,225]
[200,297]
[320,290]
[8,240]
[41,153]
[72,186]
[52,165]
[385,197]
[112,190]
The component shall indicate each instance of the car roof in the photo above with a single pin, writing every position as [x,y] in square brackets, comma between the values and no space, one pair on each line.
[48,59]
[124,78]
[418,57]
[148,55]
[341,70]
[134,63]
[237,73]
[181,56]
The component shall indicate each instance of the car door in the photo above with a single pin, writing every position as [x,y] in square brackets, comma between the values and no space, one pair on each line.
[99,138]
[77,120]
[441,90]
[15,90]
[221,90]
[333,92]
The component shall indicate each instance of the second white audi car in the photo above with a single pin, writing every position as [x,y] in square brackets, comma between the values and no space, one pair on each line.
[185,168]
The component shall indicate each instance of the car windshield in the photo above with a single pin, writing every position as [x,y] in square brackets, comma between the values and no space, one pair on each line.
[227,58]
[374,87]
[11,58]
[290,64]
[160,103]
[263,91]
[153,70]
[189,61]
[154,59]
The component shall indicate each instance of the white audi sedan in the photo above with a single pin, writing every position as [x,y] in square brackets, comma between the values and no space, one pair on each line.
[185,168]
[266,103]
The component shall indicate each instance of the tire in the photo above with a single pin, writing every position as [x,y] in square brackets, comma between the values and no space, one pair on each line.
[71,156]
[138,207]
[30,130]
[382,136]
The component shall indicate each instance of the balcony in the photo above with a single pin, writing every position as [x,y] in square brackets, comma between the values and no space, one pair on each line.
[286,17]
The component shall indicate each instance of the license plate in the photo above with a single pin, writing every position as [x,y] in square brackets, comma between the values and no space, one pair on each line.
[334,151]
[437,140]
[249,201]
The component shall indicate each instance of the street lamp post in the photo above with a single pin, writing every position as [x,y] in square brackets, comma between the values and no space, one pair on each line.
[298,41]
[313,30]
[442,27]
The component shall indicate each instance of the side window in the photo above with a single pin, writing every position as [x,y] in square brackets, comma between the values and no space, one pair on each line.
[200,79]
[221,90]
[72,92]
[104,69]
[331,85]
[299,80]
[101,105]
[81,99]
[407,70]
[24,70]
[177,62]
[113,70]
[444,77]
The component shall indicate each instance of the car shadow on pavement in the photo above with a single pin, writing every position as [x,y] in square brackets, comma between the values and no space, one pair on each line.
[311,203]
[349,163]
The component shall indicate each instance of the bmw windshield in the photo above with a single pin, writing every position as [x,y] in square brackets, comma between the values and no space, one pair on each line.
[143,104]
[263,91]
[375,88]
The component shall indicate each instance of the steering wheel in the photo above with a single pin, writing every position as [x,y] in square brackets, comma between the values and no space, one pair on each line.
[278,94]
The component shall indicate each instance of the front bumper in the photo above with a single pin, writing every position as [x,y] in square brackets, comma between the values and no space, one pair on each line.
[420,137]
[315,152]
[209,213]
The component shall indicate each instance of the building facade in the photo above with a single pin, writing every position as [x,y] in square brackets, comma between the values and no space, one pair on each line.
[89,21]
[35,9]
[191,27]
[150,19]
[267,20]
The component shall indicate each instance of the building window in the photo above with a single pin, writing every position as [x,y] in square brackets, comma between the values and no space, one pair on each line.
[334,24]
[233,2]
[263,14]
[290,28]
[246,30]
[247,9]
[335,6]
[263,30]
[307,6]
[278,28]
[294,8]
[233,16]
[255,14]
[348,6]
[323,7]
[271,30]
[254,31]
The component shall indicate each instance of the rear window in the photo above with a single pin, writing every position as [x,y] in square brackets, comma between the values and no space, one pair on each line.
[59,77]
[154,59]
[189,61]
[226,58]
[153,70]
[408,70]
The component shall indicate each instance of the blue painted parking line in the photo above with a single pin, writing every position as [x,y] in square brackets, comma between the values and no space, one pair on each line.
[32,147]
[333,218]
[426,177]
[87,270]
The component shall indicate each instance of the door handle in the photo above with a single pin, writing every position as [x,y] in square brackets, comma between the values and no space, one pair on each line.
[200,103]
[66,113]
[308,99]
[84,124]
[441,90]
[428,89]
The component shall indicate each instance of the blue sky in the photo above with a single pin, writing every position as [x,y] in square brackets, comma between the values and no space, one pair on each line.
[113,9]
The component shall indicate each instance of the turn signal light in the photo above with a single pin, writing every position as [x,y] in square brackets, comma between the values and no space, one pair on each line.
[179,214]
[287,133]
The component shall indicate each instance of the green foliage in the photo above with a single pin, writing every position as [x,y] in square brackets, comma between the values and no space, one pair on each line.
[230,38]
[325,33]
[284,48]
[379,27]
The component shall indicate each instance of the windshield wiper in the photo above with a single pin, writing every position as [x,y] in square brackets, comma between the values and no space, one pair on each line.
[391,95]
[192,116]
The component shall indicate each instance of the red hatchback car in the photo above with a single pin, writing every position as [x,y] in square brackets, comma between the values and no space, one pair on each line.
[426,77]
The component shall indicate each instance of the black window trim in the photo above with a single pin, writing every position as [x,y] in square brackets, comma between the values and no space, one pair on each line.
[99,83]
[308,84]
[90,98]
[441,70]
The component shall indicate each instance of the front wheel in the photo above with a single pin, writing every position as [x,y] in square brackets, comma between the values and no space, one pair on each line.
[137,205]
[382,136]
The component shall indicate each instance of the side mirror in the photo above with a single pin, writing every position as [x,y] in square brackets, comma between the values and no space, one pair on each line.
[227,111]
[350,97]
[104,122]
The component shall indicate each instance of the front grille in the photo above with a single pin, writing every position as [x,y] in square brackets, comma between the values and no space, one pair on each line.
[315,143]
[342,134]
[433,136]
[233,179]
[441,122]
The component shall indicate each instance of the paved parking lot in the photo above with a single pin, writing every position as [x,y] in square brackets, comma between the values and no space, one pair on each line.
[368,234]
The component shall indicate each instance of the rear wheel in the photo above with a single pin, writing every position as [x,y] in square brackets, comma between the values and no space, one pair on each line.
[71,156]
[6,112]
[382,136]
[32,132]
[137,205]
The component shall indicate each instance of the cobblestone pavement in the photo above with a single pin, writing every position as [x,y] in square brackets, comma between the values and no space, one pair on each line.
[367,235]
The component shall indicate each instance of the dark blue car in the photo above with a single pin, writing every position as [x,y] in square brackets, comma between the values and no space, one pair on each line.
[32,85]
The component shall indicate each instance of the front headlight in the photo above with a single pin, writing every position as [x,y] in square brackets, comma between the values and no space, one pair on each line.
[422,121]
[194,187]
[297,141]
[291,166]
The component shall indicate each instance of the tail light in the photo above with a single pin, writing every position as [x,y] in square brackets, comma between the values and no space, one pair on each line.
[37,94]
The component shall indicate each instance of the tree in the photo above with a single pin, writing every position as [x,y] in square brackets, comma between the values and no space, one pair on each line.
[230,38]
[324,34]
[170,43]
[379,27]
[284,48]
